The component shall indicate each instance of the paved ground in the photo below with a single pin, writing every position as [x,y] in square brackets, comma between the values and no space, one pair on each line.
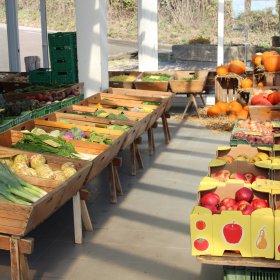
[145,235]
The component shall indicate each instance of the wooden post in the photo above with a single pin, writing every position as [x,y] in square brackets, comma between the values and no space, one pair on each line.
[112,183]
[84,196]
[117,162]
[151,141]
[166,128]
[133,159]
[77,219]
[15,260]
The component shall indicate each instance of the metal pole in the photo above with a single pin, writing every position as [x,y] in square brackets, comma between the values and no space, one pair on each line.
[221,18]
[44,31]
[12,34]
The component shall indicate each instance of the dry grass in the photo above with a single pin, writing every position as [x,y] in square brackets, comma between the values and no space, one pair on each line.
[221,123]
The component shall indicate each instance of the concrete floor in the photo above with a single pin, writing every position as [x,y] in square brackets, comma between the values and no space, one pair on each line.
[146,234]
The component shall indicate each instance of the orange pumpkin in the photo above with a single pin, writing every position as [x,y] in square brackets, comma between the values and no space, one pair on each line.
[223,106]
[235,107]
[257,59]
[222,70]
[272,63]
[237,67]
[246,83]
[246,108]
[213,111]
[232,116]
[243,114]
[268,53]
[261,84]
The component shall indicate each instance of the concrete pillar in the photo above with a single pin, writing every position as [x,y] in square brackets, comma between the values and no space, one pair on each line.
[92,44]
[12,33]
[148,35]
[221,17]
[44,31]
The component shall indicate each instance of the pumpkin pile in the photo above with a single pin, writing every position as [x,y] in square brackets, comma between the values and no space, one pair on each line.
[233,109]
[270,60]
[268,98]
[235,66]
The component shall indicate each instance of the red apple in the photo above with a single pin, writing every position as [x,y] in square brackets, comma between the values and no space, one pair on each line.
[210,198]
[222,175]
[250,177]
[241,205]
[279,248]
[232,233]
[259,203]
[212,208]
[228,202]
[248,209]
[237,176]
[244,194]
[222,208]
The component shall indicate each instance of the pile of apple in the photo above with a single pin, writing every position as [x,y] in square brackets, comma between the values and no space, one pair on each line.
[267,98]
[243,202]
[260,156]
[248,177]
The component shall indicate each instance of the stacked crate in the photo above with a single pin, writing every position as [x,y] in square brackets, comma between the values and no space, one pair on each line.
[63,57]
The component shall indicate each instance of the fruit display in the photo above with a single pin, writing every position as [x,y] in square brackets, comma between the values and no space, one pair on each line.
[256,132]
[248,177]
[233,109]
[235,66]
[259,156]
[266,98]
[243,201]
[36,165]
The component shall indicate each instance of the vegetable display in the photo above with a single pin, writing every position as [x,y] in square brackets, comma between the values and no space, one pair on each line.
[155,77]
[122,78]
[17,190]
[45,143]
[36,165]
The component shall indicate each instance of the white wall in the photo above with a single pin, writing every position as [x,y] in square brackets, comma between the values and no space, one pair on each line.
[92,44]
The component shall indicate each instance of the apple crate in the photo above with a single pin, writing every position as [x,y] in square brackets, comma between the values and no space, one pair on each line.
[251,235]
[188,81]
[276,202]
[103,154]
[156,85]
[226,87]
[19,219]
[114,82]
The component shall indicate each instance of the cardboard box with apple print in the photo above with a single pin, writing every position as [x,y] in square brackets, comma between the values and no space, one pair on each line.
[276,202]
[242,162]
[251,235]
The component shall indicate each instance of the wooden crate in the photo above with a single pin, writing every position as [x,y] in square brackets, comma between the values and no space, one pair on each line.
[79,120]
[104,154]
[153,85]
[137,122]
[226,87]
[272,78]
[179,85]
[117,84]
[19,219]
[167,97]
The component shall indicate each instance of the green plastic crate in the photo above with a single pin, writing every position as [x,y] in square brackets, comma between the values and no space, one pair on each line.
[6,124]
[55,106]
[62,39]
[40,76]
[65,77]
[23,117]
[63,52]
[63,65]
[72,100]
[250,273]
[39,112]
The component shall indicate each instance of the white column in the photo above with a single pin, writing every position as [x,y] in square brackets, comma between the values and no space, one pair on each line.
[92,44]
[148,35]
[44,31]
[221,17]
[12,33]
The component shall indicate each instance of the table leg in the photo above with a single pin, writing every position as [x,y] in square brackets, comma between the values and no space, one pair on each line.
[77,219]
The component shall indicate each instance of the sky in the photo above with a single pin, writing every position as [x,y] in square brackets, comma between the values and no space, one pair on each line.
[238,5]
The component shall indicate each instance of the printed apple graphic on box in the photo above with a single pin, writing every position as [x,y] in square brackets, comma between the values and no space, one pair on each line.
[200,225]
[233,233]
[201,244]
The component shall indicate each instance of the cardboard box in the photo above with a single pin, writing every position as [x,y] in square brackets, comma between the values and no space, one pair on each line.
[251,235]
